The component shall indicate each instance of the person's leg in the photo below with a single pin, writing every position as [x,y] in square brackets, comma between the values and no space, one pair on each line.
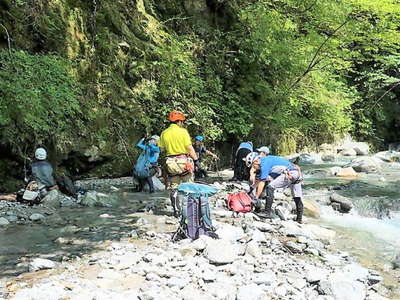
[8,197]
[297,193]
[141,184]
[149,181]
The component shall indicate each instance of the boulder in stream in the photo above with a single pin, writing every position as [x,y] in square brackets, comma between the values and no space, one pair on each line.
[365,164]
[311,208]
[309,159]
[348,152]
[41,264]
[348,172]
[4,221]
[345,204]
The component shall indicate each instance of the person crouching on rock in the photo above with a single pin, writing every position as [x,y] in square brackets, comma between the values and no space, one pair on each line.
[146,166]
[41,171]
[200,150]
[278,172]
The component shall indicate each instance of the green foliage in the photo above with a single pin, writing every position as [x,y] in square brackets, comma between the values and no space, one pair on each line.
[38,98]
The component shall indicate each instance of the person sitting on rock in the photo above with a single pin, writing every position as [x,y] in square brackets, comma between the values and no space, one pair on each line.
[200,150]
[240,170]
[41,171]
[146,166]
[278,172]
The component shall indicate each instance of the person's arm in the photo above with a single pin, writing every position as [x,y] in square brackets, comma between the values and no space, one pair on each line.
[253,173]
[141,144]
[191,152]
[210,153]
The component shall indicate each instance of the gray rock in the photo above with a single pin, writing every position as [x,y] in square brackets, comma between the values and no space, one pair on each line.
[361,148]
[41,264]
[36,217]
[3,221]
[348,152]
[178,282]
[229,232]
[309,159]
[12,218]
[328,157]
[220,252]
[345,204]
[374,279]
[53,198]
[267,277]
[355,272]
[315,274]
[253,249]
[133,234]
[365,164]
[342,289]
[295,247]
[396,262]
[263,227]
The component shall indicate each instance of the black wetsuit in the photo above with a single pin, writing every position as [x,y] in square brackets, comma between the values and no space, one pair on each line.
[241,171]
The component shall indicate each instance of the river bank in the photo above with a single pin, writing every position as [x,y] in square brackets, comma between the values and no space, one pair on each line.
[113,254]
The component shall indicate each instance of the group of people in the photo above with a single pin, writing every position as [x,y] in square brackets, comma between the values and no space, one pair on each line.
[265,172]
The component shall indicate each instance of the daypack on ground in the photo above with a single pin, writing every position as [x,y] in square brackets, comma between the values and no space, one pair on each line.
[195,211]
[32,194]
[240,202]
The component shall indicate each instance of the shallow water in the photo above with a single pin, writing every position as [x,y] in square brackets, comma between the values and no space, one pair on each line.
[82,227]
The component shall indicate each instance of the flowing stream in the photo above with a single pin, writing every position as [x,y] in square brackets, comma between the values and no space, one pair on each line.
[375,241]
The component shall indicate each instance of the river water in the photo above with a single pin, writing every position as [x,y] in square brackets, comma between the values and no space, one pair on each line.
[375,241]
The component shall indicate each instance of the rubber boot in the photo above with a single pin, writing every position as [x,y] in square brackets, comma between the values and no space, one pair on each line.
[299,209]
[268,208]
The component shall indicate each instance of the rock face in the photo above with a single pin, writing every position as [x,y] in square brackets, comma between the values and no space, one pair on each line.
[220,252]
[41,264]
[345,204]
[365,164]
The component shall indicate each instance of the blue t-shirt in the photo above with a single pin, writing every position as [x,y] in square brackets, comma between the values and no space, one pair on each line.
[271,161]
[245,145]
[152,151]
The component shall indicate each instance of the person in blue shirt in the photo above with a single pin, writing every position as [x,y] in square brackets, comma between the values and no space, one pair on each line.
[240,170]
[146,165]
[278,172]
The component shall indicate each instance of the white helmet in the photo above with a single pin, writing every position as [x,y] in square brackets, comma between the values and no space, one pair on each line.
[155,137]
[40,154]
[250,158]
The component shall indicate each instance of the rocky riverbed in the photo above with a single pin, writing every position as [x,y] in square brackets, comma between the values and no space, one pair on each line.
[253,259]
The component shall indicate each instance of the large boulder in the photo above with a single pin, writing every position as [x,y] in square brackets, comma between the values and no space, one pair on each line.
[53,198]
[361,148]
[309,159]
[345,204]
[365,164]
[341,287]
[3,221]
[220,252]
[348,152]
[323,234]
[388,156]
[311,208]
[348,172]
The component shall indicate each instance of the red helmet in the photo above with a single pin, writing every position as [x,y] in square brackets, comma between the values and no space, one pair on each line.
[176,116]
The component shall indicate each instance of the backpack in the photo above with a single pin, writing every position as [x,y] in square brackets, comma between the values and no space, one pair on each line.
[142,166]
[32,194]
[240,202]
[195,212]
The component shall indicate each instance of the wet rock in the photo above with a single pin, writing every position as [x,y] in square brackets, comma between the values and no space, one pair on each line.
[309,159]
[348,152]
[12,218]
[133,234]
[36,217]
[52,198]
[323,234]
[3,221]
[41,264]
[365,164]
[388,156]
[220,252]
[345,204]
[396,262]
[361,148]
[328,157]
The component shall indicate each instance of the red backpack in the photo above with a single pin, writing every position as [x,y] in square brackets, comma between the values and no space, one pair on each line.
[240,202]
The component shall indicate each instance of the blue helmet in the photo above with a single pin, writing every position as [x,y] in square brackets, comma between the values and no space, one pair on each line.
[199,138]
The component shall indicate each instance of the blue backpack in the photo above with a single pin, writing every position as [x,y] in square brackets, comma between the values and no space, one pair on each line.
[142,166]
[194,211]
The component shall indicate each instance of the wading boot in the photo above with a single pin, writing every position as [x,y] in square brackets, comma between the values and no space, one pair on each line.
[268,209]
[299,209]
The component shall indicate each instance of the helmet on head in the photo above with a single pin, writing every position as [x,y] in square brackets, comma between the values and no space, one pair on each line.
[176,116]
[155,137]
[250,158]
[199,138]
[264,149]
[40,154]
